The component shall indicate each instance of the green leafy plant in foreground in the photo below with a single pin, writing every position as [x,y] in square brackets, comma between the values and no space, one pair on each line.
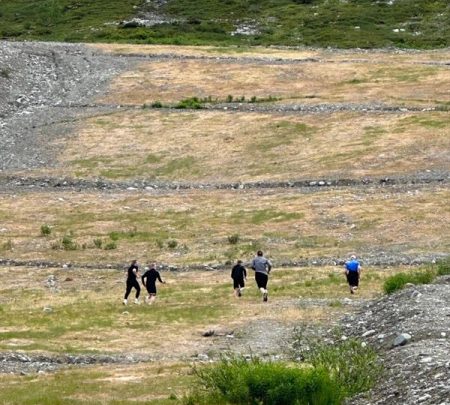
[241,381]
[327,375]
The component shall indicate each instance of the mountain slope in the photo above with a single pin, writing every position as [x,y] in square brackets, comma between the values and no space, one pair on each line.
[353,23]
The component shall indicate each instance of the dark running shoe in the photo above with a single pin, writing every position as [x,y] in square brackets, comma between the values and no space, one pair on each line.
[265,297]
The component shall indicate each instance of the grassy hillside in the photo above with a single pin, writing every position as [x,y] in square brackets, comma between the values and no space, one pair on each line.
[353,23]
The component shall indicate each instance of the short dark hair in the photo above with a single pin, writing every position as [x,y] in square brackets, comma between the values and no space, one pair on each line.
[259,253]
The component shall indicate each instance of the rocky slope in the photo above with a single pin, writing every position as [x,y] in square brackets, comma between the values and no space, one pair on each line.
[411,331]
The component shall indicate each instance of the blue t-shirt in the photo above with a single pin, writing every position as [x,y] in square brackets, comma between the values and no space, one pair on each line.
[352,265]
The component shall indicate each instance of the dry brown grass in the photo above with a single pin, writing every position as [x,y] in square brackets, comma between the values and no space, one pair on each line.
[288,224]
[273,52]
[184,146]
[391,82]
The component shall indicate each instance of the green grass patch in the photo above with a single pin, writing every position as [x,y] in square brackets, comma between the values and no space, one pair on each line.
[398,281]
[157,384]
[443,267]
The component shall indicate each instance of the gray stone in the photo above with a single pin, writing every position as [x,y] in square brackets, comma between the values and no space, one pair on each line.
[401,339]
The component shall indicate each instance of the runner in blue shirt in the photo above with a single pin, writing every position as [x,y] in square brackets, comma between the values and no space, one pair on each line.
[353,272]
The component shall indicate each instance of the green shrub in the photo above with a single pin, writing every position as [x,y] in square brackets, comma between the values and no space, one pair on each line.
[193,103]
[234,239]
[398,281]
[45,230]
[157,104]
[238,381]
[353,365]
[172,244]
[114,236]
[5,73]
[68,243]
[443,267]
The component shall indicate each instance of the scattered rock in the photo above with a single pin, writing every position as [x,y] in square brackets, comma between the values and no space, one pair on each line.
[401,339]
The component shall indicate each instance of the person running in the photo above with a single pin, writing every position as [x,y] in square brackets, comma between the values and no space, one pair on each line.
[262,268]
[132,282]
[353,272]
[238,274]
[149,281]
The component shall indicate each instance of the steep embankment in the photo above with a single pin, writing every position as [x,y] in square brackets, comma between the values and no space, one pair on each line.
[411,331]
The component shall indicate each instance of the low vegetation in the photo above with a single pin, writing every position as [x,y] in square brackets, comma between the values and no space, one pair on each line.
[327,375]
[288,225]
[366,24]
[424,276]
[239,381]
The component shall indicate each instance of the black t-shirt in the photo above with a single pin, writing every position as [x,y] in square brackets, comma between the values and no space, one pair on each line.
[238,272]
[151,275]
[131,273]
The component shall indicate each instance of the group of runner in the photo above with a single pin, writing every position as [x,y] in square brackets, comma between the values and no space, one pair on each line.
[260,265]
[148,280]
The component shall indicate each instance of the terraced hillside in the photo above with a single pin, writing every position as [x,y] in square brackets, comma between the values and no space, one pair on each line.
[308,155]
[195,157]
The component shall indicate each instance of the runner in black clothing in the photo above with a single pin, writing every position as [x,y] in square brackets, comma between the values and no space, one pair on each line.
[149,280]
[133,271]
[238,274]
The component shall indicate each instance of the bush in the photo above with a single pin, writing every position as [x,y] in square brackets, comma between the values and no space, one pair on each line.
[172,244]
[238,381]
[157,104]
[68,243]
[193,103]
[114,235]
[45,230]
[443,267]
[398,281]
[5,73]
[353,365]
[234,239]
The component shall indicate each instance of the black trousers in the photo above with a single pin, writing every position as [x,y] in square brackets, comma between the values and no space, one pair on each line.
[130,285]
[261,279]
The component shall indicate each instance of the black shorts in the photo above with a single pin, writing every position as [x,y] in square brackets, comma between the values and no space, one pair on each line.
[238,283]
[151,289]
[353,278]
[261,279]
